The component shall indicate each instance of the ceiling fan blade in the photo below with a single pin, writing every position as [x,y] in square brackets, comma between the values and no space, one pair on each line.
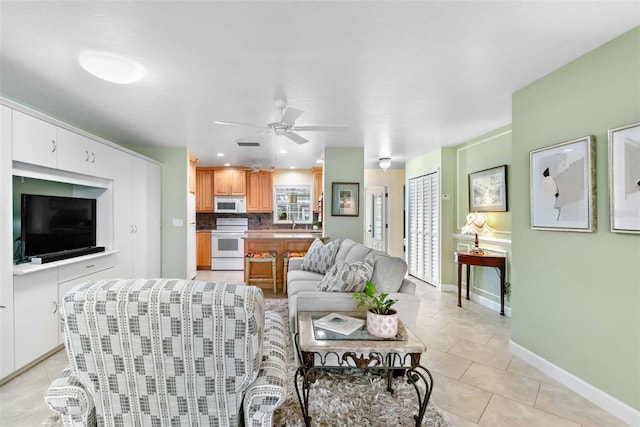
[222,122]
[290,115]
[321,128]
[296,138]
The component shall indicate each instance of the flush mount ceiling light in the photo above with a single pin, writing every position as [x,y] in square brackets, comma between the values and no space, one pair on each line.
[384,163]
[111,67]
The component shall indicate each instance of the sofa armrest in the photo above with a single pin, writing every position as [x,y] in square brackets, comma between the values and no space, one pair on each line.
[407,287]
[269,390]
[71,400]
[295,263]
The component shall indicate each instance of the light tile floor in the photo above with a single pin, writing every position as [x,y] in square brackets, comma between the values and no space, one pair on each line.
[477,380]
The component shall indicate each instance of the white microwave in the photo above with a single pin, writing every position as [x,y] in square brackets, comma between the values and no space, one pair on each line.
[230,204]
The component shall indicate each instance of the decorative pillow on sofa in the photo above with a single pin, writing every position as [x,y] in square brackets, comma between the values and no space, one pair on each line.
[343,277]
[320,257]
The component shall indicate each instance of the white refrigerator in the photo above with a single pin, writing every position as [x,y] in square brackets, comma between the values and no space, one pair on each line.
[192,268]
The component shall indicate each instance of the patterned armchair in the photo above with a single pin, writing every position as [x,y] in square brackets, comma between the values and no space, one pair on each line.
[169,353]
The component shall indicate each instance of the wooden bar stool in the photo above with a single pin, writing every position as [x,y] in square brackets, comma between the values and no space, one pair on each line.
[286,255]
[261,256]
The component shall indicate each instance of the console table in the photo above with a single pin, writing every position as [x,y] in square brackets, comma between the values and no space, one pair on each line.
[480,260]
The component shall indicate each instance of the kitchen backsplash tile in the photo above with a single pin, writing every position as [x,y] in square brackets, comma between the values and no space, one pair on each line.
[261,221]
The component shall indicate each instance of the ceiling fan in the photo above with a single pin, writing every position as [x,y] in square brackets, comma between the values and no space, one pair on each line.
[287,124]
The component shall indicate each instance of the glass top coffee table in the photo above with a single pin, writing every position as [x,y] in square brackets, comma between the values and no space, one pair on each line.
[321,351]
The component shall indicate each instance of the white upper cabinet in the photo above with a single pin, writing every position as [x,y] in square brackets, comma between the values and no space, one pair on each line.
[34,141]
[80,154]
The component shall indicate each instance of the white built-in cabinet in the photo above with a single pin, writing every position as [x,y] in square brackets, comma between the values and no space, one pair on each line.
[136,207]
[423,243]
[36,303]
[77,153]
[35,298]
[128,190]
[34,141]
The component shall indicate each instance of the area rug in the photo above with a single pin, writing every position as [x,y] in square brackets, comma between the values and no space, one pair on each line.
[351,401]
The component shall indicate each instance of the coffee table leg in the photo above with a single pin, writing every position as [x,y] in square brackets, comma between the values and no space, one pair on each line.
[308,376]
[414,376]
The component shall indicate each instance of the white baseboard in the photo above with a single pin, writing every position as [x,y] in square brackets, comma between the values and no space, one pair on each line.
[598,397]
[483,301]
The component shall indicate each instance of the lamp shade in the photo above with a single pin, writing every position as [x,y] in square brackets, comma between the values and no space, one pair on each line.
[476,224]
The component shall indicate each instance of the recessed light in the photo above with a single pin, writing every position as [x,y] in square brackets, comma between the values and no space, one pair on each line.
[220,154]
[319,161]
[283,151]
[111,67]
[292,167]
[227,164]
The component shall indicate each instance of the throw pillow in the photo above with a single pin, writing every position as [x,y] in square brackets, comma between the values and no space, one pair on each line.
[320,257]
[343,277]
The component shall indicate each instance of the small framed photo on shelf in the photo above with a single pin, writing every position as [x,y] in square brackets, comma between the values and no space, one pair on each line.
[488,190]
[563,186]
[344,200]
[624,178]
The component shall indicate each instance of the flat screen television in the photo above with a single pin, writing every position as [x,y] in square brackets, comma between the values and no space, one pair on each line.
[54,224]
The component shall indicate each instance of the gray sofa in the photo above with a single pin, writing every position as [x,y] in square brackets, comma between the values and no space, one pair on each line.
[388,276]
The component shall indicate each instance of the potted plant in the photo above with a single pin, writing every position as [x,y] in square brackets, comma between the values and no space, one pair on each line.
[382,320]
[315,224]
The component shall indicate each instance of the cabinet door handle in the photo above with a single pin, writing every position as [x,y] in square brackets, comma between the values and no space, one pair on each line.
[90,265]
[53,145]
[93,157]
[131,229]
[87,153]
[55,307]
[135,228]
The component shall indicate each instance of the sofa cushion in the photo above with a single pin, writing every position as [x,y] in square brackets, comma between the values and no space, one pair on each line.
[320,257]
[345,246]
[344,277]
[388,273]
[357,253]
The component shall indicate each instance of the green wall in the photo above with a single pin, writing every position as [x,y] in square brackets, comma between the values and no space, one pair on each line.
[576,296]
[175,175]
[343,165]
[483,152]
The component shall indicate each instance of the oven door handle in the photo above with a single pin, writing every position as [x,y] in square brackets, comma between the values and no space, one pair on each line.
[228,235]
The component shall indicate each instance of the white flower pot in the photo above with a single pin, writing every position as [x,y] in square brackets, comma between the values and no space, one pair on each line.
[382,325]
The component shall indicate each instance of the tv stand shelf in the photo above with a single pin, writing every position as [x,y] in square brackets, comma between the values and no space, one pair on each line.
[28,268]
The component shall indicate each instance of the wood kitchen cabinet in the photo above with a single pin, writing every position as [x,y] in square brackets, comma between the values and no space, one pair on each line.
[316,172]
[230,182]
[204,190]
[203,250]
[192,174]
[260,192]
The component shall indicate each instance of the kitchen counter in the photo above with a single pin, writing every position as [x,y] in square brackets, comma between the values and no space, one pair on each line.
[279,235]
[278,241]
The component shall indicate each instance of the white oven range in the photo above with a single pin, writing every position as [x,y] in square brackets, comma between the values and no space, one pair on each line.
[227,243]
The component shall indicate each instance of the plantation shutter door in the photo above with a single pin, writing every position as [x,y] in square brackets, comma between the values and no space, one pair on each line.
[424,225]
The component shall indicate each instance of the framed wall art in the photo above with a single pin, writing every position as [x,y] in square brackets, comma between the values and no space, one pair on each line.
[488,190]
[624,178]
[344,201]
[563,186]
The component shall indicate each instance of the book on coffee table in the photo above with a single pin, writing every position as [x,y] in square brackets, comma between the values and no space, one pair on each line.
[339,323]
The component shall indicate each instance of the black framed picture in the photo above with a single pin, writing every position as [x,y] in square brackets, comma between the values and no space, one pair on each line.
[488,190]
[345,201]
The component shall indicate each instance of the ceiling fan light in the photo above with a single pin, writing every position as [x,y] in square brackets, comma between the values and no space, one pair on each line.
[111,67]
[384,163]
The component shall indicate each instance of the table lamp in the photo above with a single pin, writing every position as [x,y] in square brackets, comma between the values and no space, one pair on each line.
[476,224]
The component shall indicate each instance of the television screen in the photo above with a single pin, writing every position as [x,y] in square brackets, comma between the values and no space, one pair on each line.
[54,224]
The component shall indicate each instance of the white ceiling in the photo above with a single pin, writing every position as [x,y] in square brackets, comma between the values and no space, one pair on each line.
[407,77]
